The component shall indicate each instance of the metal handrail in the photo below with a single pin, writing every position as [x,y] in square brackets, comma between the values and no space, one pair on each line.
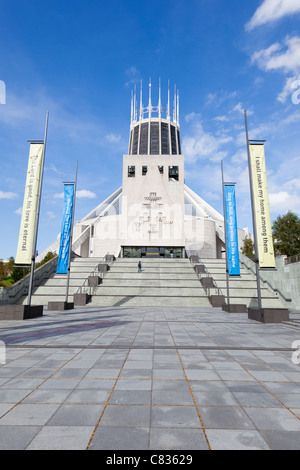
[86,289]
[20,288]
[276,291]
[208,289]
[208,274]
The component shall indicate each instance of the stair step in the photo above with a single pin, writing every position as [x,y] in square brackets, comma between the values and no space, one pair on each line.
[151,291]
[168,281]
[144,301]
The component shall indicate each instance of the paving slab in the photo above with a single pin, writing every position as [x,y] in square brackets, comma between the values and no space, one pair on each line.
[149,378]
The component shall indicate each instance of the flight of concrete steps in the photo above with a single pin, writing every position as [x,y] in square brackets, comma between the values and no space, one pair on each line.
[243,288]
[162,282]
[54,288]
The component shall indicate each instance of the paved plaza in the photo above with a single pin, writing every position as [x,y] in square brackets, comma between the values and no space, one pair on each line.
[152,378]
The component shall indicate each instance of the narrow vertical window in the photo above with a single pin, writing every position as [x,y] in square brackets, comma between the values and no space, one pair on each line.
[174,173]
[165,148]
[131,171]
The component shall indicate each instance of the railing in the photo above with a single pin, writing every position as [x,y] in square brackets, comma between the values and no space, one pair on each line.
[11,295]
[91,290]
[250,266]
[53,248]
[215,290]
[292,259]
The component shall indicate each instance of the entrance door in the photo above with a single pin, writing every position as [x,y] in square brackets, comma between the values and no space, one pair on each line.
[152,252]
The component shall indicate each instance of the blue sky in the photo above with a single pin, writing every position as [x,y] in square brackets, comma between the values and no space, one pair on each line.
[79,60]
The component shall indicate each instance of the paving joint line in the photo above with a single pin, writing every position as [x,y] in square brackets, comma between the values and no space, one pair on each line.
[191,392]
[167,347]
[273,395]
[111,392]
[24,398]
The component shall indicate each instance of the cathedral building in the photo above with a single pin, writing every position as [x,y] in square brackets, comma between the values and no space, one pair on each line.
[154,213]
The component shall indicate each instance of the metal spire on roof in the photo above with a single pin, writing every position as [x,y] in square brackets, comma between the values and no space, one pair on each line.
[168,106]
[134,104]
[150,103]
[177,106]
[159,99]
[139,111]
[174,105]
[141,101]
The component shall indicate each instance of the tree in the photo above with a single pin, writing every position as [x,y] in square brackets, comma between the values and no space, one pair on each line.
[10,264]
[18,273]
[47,258]
[3,269]
[248,248]
[286,234]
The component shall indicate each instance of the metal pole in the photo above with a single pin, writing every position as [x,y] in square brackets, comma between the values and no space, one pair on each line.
[37,217]
[225,232]
[71,236]
[253,217]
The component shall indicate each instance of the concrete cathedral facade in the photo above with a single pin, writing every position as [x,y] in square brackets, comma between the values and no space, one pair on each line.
[153,213]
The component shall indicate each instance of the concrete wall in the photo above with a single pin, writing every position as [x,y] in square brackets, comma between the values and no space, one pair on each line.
[153,204]
[286,279]
[200,236]
[12,294]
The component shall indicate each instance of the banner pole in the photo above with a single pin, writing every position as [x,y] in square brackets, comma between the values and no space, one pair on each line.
[37,217]
[71,236]
[253,217]
[225,234]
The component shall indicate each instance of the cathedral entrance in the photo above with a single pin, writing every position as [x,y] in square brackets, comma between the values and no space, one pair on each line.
[152,252]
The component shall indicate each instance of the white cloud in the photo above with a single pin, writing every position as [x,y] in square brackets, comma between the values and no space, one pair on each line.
[283,201]
[76,127]
[216,99]
[192,116]
[51,215]
[287,89]
[55,169]
[263,131]
[133,75]
[112,138]
[275,58]
[221,118]
[240,109]
[201,144]
[7,195]
[240,156]
[293,183]
[272,10]
[19,211]
[211,196]
[83,193]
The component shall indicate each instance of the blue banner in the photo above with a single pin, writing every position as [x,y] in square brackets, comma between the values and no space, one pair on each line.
[66,228]
[231,231]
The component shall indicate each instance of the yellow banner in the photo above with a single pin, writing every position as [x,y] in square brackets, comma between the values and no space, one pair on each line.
[261,207]
[26,235]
